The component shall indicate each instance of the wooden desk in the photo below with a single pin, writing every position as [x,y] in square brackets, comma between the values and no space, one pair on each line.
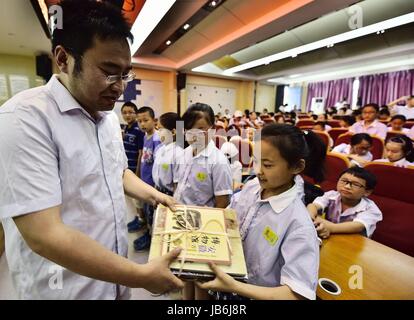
[387,273]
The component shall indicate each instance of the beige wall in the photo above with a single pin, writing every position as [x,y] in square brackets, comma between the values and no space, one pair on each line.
[19,65]
[265,97]
[169,92]
[244,90]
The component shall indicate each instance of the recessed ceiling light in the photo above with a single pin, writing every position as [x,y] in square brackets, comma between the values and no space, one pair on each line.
[168,42]
[186,26]
[213,3]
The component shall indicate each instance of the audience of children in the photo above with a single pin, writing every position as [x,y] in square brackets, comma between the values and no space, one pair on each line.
[358,151]
[346,121]
[347,210]
[399,151]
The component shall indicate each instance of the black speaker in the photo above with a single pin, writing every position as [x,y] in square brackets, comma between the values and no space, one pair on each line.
[181,81]
[44,66]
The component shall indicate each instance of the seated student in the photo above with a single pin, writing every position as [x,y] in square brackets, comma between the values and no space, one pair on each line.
[384,114]
[324,118]
[347,121]
[321,126]
[399,151]
[370,124]
[232,154]
[165,171]
[348,210]
[357,115]
[279,239]
[397,124]
[359,149]
[407,110]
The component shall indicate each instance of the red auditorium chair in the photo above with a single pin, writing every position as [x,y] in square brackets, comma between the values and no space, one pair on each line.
[245,148]
[219,140]
[334,123]
[394,196]
[305,123]
[377,144]
[324,137]
[336,132]
[335,164]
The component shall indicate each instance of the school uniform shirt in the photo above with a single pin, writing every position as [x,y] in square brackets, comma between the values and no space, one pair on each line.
[345,148]
[203,177]
[147,160]
[376,128]
[365,212]
[133,143]
[279,239]
[400,163]
[403,131]
[165,170]
[52,153]
[405,111]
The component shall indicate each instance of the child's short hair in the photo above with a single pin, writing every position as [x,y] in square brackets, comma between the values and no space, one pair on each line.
[146,109]
[169,120]
[320,123]
[196,112]
[368,177]
[359,137]
[131,105]
[372,105]
[399,117]
[294,145]
[385,111]
[349,120]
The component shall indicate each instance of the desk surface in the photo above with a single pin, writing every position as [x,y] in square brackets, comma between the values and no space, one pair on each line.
[387,273]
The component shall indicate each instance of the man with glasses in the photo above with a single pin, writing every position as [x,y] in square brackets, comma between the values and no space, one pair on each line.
[64,171]
[347,210]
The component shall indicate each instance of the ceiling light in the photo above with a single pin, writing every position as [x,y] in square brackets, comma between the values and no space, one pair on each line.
[168,42]
[150,15]
[213,3]
[186,26]
[353,34]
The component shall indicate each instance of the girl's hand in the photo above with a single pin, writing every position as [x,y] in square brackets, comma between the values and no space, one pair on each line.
[223,282]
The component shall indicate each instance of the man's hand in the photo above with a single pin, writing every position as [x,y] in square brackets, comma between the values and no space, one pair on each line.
[159,278]
[223,282]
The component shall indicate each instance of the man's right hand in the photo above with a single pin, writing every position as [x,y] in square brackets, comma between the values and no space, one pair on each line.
[159,278]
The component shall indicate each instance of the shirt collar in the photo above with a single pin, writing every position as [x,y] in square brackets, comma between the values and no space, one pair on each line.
[281,201]
[360,207]
[65,101]
[207,151]
[374,124]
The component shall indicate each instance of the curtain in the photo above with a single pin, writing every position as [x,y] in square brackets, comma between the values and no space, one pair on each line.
[386,87]
[333,91]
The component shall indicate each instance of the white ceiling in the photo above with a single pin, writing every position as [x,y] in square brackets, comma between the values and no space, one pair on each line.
[20,29]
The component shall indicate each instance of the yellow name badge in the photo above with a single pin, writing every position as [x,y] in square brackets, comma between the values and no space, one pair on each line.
[201,176]
[270,235]
[165,166]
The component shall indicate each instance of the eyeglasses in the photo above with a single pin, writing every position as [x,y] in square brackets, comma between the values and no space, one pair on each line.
[128,113]
[113,78]
[352,184]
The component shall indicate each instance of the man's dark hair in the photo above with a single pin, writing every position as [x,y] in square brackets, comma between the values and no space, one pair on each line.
[131,105]
[368,177]
[147,109]
[86,20]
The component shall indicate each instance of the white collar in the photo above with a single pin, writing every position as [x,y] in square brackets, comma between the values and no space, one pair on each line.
[206,151]
[279,202]
[360,207]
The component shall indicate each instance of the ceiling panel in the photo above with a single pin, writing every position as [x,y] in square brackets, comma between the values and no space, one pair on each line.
[248,10]
[219,23]
[282,42]
[249,54]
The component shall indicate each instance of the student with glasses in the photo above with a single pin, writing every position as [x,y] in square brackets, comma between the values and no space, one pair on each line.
[399,151]
[347,210]
[369,123]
